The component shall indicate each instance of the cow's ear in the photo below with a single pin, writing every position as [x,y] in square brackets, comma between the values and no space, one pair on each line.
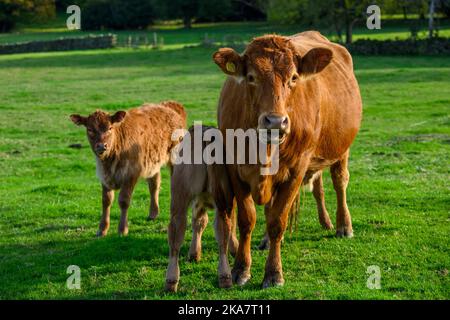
[314,61]
[229,61]
[78,120]
[118,116]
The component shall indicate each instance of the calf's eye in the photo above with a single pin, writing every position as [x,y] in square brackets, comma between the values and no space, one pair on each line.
[294,78]
[250,78]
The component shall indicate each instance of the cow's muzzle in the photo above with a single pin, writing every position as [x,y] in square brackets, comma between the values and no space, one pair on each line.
[274,123]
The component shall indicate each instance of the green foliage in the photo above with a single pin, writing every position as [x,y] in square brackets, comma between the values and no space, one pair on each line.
[12,11]
[117,14]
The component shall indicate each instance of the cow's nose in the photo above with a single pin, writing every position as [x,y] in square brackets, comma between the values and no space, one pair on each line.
[100,147]
[276,121]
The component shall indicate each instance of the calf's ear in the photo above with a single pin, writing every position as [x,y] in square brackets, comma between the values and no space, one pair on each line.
[118,116]
[78,120]
[229,61]
[314,61]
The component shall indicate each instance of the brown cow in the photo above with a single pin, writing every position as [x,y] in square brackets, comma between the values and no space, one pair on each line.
[205,186]
[127,146]
[303,86]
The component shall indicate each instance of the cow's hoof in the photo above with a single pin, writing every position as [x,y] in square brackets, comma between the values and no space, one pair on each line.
[171,285]
[123,233]
[264,244]
[273,280]
[344,233]
[195,257]
[327,225]
[240,277]
[225,281]
[101,233]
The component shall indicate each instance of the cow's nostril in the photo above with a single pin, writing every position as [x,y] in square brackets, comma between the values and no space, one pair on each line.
[285,123]
[267,121]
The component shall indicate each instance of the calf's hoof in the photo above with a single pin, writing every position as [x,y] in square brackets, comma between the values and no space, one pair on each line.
[344,233]
[195,257]
[240,277]
[273,280]
[225,281]
[153,215]
[171,285]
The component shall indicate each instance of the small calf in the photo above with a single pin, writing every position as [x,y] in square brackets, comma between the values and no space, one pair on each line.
[205,186]
[129,145]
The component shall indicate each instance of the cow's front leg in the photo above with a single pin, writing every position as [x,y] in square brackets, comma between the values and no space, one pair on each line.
[277,215]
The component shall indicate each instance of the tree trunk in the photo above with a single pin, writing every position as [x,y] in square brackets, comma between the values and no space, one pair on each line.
[187,21]
[431,19]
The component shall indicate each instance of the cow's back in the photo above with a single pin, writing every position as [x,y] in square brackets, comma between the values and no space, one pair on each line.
[340,100]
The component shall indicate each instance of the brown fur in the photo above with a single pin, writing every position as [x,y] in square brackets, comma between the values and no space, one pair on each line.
[137,144]
[311,81]
[205,187]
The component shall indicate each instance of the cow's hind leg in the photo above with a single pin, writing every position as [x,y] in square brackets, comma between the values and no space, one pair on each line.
[154,184]
[319,195]
[340,176]
[199,223]
[176,232]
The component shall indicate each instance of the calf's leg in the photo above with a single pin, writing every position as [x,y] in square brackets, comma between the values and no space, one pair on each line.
[340,177]
[107,199]
[223,228]
[176,232]
[246,222]
[319,195]
[154,184]
[199,223]
[124,203]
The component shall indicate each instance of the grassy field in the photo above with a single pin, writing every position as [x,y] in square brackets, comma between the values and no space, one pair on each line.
[50,203]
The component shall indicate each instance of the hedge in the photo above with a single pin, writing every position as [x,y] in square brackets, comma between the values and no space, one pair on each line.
[62,44]
[435,46]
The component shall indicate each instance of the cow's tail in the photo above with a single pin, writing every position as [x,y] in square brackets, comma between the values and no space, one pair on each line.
[295,210]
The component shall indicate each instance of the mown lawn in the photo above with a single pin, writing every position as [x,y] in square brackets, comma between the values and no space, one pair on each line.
[50,203]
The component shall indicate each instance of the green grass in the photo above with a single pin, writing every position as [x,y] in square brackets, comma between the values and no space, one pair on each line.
[50,198]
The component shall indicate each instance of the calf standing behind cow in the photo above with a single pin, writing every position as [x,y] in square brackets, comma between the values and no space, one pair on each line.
[205,186]
[304,86]
[128,146]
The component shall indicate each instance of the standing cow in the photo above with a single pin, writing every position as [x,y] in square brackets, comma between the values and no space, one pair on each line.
[305,87]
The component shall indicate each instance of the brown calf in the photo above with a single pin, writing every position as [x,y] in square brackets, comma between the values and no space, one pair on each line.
[304,87]
[129,145]
[205,187]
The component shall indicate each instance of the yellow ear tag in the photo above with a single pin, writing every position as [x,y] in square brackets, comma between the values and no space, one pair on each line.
[230,67]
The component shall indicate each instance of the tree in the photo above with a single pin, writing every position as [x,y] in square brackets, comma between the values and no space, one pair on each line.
[11,11]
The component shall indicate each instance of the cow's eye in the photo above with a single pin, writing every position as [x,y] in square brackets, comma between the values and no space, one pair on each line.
[294,78]
[110,128]
[250,78]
